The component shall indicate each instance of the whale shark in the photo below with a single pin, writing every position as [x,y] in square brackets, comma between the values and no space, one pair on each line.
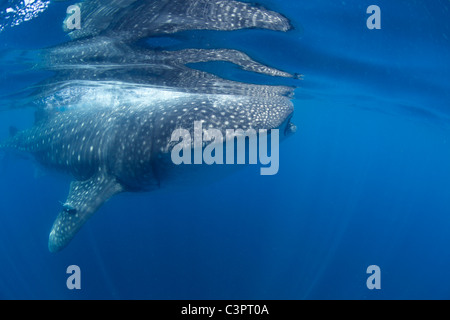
[107,114]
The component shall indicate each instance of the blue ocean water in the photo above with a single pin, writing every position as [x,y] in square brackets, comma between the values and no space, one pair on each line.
[364,181]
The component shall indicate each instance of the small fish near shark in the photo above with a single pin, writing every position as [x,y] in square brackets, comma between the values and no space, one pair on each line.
[107,114]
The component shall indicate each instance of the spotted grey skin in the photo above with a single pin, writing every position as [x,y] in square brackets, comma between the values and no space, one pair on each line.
[107,115]
[115,149]
[137,19]
[126,69]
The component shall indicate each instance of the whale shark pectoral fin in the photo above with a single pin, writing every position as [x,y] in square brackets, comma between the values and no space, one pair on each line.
[85,198]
